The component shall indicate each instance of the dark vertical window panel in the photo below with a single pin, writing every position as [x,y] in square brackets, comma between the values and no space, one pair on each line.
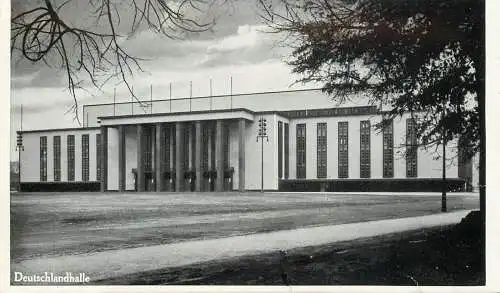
[364,149]
[301,151]
[71,157]
[98,148]
[280,149]
[212,146]
[388,148]
[57,158]
[187,130]
[85,157]
[321,150]
[287,150]
[411,148]
[343,153]
[225,147]
[148,148]
[43,158]
[165,137]
[204,147]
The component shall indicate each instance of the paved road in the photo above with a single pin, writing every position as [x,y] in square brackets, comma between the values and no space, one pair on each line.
[48,225]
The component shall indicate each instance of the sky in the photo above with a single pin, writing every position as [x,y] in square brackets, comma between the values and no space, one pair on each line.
[237,46]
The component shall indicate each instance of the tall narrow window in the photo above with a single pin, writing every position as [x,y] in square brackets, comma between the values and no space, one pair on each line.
[280,149]
[43,158]
[71,157]
[85,157]
[57,158]
[364,151]
[148,149]
[165,136]
[388,145]
[343,150]
[321,150]
[225,146]
[301,150]
[98,155]
[411,148]
[287,151]
[204,147]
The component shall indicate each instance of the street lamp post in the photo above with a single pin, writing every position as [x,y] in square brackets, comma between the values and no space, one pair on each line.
[262,133]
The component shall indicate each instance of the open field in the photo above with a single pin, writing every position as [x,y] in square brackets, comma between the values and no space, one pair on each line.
[75,223]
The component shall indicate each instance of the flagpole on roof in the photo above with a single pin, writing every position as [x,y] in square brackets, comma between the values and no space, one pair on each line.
[210,94]
[114,103]
[132,101]
[231,81]
[190,94]
[151,97]
[170,96]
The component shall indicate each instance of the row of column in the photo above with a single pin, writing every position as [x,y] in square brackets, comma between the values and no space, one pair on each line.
[179,157]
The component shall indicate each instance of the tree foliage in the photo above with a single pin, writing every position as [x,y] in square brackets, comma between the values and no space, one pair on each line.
[412,55]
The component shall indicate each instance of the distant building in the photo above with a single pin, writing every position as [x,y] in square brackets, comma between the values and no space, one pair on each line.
[210,144]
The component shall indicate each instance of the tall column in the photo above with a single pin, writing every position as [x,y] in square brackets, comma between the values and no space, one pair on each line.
[241,154]
[159,158]
[121,158]
[140,158]
[104,158]
[219,157]
[179,156]
[197,161]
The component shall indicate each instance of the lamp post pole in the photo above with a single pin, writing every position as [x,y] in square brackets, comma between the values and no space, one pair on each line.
[262,133]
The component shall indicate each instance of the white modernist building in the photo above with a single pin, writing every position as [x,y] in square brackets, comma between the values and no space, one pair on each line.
[218,144]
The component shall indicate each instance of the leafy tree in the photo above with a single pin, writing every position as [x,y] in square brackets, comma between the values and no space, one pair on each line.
[410,55]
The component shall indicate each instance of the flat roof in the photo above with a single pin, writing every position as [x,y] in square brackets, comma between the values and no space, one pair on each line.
[58,129]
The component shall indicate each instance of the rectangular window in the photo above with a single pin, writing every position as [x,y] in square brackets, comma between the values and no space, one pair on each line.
[321,150]
[364,154]
[43,158]
[301,150]
[71,157]
[165,136]
[98,155]
[204,147]
[388,145]
[287,151]
[225,147]
[343,167]
[57,158]
[85,157]
[280,149]
[411,148]
[148,149]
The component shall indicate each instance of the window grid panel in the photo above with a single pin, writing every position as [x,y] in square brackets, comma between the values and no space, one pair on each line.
[365,149]
[85,157]
[287,154]
[226,146]
[280,149]
[301,150]
[98,148]
[165,137]
[343,161]
[71,157]
[148,149]
[411,148]
[57,158]
[388,148]
[43,158]
[321,150]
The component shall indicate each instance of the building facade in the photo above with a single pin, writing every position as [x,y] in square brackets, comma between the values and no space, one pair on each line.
[213,144]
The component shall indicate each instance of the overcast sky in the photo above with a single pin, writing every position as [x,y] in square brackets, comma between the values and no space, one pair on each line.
[236,46]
